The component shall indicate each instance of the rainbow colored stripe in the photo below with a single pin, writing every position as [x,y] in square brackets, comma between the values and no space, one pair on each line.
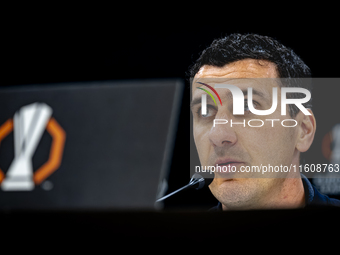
[211,88]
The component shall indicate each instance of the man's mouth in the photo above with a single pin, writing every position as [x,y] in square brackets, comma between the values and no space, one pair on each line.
[227,162]
[231,163]
[227,167]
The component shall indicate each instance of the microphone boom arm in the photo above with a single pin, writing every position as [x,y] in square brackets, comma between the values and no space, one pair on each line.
[195,179]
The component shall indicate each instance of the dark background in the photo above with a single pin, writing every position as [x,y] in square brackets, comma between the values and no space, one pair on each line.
[46,47]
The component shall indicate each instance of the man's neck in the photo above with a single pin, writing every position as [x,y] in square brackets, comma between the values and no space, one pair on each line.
[291,195]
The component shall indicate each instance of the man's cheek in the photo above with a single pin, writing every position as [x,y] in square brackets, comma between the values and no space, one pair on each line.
[202,151]
[202,145]
[259,142]
[272,145]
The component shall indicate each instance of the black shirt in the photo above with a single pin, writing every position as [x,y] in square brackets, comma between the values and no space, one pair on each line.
[313,197]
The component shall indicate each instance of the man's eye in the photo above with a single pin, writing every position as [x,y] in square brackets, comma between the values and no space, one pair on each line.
[246,107]
[210,112]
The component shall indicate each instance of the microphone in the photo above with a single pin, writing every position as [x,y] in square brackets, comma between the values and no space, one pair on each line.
[197,181]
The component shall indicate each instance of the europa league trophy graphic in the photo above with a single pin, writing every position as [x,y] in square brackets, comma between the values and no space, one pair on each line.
[29,124]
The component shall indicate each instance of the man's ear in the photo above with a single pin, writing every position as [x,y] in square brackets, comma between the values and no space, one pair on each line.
[306,131]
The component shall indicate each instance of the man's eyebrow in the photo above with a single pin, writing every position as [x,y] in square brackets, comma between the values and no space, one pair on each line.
[245,93]
[197,100]
[255,92]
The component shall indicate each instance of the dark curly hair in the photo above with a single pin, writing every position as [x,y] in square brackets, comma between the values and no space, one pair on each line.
[236,47]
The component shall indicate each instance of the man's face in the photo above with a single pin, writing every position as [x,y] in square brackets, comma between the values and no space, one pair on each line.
[245,146]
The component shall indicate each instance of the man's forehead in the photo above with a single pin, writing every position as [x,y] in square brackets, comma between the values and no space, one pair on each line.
[247,68]
[261,84]
[243,73]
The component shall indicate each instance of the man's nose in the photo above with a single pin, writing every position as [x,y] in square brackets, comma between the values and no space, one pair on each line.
[222,134]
